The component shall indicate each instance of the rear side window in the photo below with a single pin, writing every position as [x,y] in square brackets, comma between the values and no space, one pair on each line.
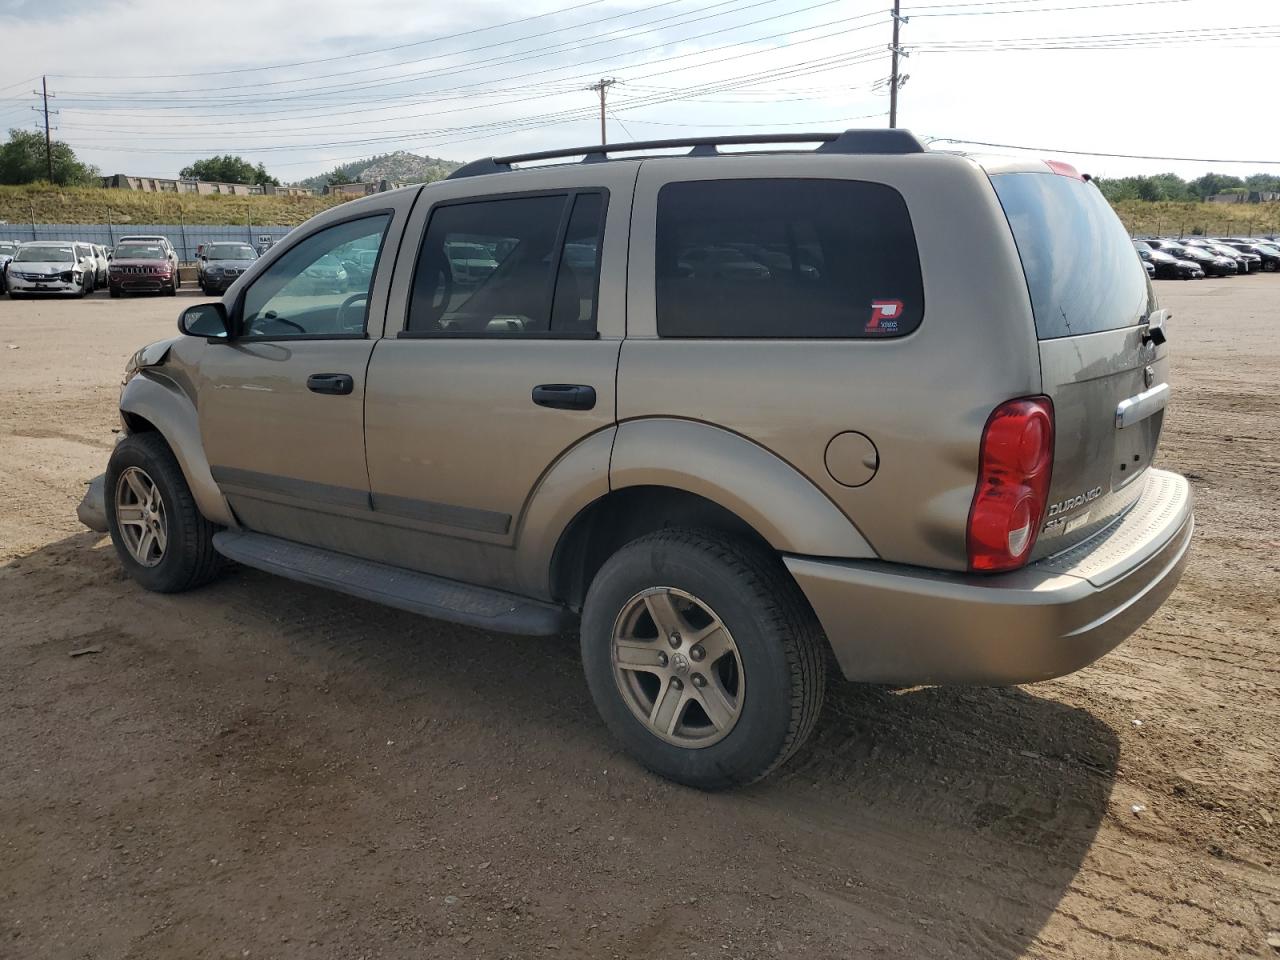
[524,266]
[828,259]
[1079,262]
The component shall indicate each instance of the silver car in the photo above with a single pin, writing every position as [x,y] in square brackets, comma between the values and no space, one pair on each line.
[727,415]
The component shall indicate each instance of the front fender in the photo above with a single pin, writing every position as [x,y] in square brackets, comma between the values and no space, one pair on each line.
[778,501]
[159,401]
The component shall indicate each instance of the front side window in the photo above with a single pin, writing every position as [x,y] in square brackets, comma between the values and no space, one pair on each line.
[514,266]
[317,289]
[803,259]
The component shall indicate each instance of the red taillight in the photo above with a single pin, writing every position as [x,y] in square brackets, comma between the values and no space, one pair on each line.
[1014,468]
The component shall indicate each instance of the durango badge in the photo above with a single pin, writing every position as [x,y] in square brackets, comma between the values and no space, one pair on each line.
[884,316]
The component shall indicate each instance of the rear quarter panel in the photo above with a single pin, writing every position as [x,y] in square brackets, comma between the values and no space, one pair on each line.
[923,399]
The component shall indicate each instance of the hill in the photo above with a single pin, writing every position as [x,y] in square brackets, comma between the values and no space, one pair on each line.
[400,167]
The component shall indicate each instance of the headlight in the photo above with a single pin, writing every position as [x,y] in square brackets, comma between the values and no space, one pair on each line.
[131,367]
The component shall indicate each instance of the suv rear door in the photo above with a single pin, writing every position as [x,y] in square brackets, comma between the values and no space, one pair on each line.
[500,357]
[1102,367]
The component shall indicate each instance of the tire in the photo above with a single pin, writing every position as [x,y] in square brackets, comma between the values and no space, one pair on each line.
[187,559]
[1269,266]
[17,296]
[774,670]
[114,292]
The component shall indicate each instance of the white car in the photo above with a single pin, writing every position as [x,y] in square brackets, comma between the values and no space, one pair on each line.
[7,249]
[88,261]
[49,267]
[103,264]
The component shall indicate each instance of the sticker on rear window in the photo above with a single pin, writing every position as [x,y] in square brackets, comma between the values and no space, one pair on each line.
[884,316]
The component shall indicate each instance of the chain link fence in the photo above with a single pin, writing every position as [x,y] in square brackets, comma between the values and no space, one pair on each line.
[185,237]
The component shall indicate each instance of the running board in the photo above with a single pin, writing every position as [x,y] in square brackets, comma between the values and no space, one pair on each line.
[394,586]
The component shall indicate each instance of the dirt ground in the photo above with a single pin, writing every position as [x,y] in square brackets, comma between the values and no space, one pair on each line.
[261,769]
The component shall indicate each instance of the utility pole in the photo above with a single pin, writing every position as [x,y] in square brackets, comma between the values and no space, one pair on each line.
[601,87]
[48,143]
[896,81]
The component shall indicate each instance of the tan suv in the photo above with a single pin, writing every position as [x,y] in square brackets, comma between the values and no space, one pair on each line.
[728,413]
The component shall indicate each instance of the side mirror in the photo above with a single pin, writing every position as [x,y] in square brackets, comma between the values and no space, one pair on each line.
[208,320]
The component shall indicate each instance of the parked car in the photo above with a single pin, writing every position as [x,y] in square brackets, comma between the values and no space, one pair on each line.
[1269,254]
[1212,264]
[1244,262]
[48,267]
[102,264]
[142,266]
[722,476]
[221,263]
[88,261]
[170,253]
[7,249]
[1166,266]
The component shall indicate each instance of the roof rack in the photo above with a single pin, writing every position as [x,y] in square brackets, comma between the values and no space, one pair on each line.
[891,141]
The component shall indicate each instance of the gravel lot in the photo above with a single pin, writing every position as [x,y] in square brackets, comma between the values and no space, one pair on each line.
[261,769]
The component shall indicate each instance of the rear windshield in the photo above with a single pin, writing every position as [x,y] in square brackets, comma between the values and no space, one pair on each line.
[1082,271]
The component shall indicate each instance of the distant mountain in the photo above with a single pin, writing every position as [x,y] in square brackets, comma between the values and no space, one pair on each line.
[399,167]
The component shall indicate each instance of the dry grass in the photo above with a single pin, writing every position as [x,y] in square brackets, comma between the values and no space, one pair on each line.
[98,205]
[1214,219]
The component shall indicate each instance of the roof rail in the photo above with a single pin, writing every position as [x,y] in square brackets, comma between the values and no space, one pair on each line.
[877,141]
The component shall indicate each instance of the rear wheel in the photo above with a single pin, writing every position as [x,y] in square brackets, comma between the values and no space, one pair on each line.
[160,536]
[702,656]
[1269,266]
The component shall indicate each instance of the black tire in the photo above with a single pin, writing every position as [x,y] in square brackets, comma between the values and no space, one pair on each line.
[115,292]
[1269,266]
[777,636]
[17,296]
[189,559]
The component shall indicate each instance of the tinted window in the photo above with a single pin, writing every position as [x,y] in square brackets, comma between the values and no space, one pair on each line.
[786,258]
[314,289]
[1079,261]
[504,267]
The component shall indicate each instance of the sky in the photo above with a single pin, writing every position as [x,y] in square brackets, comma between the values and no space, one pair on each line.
[144,87]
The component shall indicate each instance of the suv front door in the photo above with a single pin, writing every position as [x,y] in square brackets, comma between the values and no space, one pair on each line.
[501,357]
[282,404]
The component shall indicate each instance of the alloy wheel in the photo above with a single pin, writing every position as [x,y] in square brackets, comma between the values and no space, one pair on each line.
[677,667]
[140,517]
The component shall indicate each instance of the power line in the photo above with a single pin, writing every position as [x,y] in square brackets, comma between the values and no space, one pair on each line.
[516,57]
[1095,153]
[344,56]
[999,13]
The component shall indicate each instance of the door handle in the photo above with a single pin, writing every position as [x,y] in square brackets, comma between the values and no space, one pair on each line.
[565,396]
[336,383]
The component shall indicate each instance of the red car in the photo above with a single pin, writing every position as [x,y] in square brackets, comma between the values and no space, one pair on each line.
[138,267]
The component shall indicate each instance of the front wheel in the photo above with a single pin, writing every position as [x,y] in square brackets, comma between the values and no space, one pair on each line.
[159,534]
[702,656]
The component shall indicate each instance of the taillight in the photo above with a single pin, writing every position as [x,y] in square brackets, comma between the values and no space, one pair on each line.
[1014,468]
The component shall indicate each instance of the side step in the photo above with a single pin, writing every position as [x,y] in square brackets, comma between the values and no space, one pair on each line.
[394,586]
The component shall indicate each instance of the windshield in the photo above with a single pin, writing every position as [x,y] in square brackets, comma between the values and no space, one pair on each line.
[44,255]
[139,251]
[1270,249]
[7,248]
[230,251]
[1076,254]
[1141,245]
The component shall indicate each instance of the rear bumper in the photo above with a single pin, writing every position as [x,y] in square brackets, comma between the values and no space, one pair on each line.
[894,624]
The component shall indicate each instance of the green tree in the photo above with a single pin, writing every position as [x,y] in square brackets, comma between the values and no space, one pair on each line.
[227,169]
[23,160]
[1214,183]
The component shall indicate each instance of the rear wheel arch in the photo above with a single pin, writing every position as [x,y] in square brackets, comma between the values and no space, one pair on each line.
[609,523]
